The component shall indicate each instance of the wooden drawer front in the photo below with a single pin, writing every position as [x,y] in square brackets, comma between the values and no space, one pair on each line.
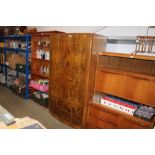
[124,123]
[104,115]
[140,90]
[98,123]
[110,83]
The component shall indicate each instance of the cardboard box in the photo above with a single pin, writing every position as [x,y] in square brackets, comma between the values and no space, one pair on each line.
[1,44]
[15,59]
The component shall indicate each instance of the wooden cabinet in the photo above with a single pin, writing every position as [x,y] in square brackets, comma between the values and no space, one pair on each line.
[72,75]
[128,77]
[41,50]
[40,58]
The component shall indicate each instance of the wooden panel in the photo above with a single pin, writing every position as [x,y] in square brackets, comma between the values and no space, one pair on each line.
[111,83]
[126,64]
[124,123]
[129,56]
[103,115]
[98,123]
[140,90]
[98,44]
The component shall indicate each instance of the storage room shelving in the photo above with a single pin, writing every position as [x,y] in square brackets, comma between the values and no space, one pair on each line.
[24,38]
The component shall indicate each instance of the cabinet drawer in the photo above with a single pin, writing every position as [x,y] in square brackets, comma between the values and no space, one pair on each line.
[111,83]
[98,123]
[124,123]
[103,115]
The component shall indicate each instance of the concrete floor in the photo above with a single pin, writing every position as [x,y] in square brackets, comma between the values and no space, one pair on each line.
[21,108]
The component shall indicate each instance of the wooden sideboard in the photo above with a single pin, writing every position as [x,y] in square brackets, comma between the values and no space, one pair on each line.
[125,76]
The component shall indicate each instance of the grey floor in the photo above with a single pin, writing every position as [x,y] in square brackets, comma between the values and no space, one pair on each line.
[21,108]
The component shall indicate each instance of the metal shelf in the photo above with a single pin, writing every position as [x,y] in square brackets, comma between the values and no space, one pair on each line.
[14,69]
[17,49]
[26,38]
[16,37]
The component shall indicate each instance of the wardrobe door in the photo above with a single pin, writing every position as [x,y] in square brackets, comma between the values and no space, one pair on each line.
[56,73]
[69,76]
[76,69]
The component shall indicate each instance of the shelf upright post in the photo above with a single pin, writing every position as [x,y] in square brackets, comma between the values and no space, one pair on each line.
[5,66]
[17,73]
[27,69]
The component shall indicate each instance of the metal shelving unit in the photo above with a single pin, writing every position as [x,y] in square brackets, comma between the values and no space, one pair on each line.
[25,38]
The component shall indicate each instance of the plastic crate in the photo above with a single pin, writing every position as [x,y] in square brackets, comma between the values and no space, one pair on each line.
[40,100]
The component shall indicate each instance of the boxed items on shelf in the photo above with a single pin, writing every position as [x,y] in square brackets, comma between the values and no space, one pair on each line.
[1,44]
[41,84]
[44,43]
[44,70]
[2,61]
[43,54]
[115,103]
[16,44]
[14,59]
[40,97]
[145,112]
[119,104]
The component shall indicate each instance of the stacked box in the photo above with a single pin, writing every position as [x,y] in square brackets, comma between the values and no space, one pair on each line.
[118,104]
[14,59]
[1,44]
